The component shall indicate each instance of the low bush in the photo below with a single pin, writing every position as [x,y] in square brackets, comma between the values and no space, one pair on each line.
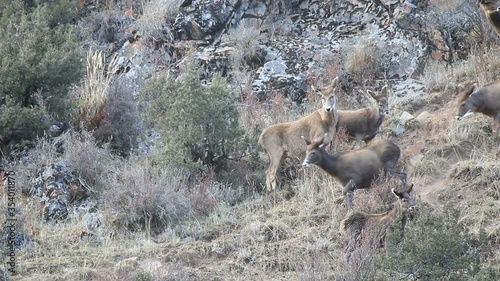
[199,125]
[438,246]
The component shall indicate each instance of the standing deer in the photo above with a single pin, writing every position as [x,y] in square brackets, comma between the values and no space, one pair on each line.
[356,223]
[355,169]
[284,139]
[363,124]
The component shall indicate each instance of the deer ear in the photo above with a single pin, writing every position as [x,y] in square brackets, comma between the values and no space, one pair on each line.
[397,194]
[335,82]
[411,187]
[308,142]
[372,94]
[384,90]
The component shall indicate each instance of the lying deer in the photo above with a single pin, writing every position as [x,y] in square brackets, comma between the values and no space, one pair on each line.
[363,124]
[486,100]
[355,169]
[284,139]
[355,223]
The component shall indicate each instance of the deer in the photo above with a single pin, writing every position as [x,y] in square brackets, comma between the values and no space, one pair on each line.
[492,12]
[283,140]
[485,100]
[363,124]
[355,169]
[356,223]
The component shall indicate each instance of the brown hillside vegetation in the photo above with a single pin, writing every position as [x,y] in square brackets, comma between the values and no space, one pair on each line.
[133,213]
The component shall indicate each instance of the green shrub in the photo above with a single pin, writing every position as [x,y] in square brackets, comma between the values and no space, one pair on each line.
[39,55]
[436,247]
[17,122]
[198,124]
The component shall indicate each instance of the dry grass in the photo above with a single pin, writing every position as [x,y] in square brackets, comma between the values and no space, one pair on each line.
[446,5]
[153,23]
[92,95]
[245,39]
[159,226]
[363,63]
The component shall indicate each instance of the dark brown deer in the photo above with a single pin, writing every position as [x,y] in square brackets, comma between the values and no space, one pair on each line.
[284,139]
[355,169]
[363,124]
[356,223]
[485,100]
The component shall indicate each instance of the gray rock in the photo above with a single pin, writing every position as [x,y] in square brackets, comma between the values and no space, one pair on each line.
[424,116]
[405,118]
[58,187]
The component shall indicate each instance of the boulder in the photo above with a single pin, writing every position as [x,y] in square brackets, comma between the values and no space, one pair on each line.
[405,122]
[58,189]
[423,117]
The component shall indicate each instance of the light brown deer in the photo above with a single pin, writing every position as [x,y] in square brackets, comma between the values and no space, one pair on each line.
[356,223]
[363,124]
[284,139]
[355,169]
[486,100]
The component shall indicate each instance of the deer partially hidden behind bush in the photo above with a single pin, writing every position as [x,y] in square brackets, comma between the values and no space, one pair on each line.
[355,169]
[284,139]
[363,124]
[356,224]
[492,12]
[486,100]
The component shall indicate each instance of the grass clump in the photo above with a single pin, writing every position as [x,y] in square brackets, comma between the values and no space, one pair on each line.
[364,62]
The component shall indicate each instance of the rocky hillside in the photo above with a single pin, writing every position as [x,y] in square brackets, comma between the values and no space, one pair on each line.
[95,198]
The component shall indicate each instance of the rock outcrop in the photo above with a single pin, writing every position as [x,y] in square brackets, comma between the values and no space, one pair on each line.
[310,37]
[59,189]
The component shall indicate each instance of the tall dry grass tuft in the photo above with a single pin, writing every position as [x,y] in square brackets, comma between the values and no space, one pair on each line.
[245,38]
[91,162]
[364,63]
[481,66]
[42,154]
[153,23]
[91,96]
[143,197]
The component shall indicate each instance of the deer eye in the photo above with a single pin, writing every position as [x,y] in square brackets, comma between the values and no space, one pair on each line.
[404,200]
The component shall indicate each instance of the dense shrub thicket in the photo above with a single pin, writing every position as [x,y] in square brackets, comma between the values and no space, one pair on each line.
[39,59]
[199,124]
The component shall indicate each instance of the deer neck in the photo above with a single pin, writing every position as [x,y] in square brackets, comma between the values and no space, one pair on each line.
[396,209]
[328,117]
[328,162]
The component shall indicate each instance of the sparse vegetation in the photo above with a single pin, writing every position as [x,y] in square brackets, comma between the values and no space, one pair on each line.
[364,63]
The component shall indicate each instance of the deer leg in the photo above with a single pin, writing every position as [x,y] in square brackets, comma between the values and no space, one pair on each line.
[276,159]
[404,220]
[348,191]
[496,127]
